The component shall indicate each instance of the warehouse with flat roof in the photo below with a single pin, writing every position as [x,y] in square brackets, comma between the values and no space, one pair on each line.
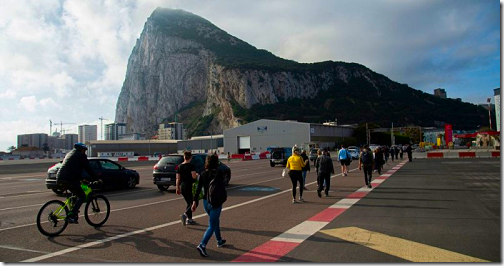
[257,136]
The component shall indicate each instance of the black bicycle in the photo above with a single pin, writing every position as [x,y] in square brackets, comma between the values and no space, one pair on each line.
[51,217]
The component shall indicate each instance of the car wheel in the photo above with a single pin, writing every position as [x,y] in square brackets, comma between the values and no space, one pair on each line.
[58,191]
[131,182]
[272,164]
[163,187]
[227,178]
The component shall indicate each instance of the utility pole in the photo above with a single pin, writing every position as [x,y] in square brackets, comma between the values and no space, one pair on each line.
[101,126]
[211,141]
[489,113]
[367,135]
[392,142]
[50,127]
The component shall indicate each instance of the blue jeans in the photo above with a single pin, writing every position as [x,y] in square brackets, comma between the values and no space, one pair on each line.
[213,225]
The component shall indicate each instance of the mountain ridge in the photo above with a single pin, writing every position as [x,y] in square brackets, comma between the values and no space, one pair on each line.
[185,68]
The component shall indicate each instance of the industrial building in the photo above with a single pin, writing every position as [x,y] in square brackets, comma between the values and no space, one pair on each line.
[203,144]
[138,147]
[257,136]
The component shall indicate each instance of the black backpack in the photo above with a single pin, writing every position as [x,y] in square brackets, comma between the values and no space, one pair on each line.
[216,190]
[366,158]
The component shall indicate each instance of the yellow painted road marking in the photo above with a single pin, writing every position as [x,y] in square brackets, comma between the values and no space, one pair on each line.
[398,247]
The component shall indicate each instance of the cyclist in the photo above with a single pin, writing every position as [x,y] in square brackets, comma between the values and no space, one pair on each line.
[69,177]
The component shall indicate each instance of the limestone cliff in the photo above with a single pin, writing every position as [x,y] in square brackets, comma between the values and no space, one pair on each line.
[183,67]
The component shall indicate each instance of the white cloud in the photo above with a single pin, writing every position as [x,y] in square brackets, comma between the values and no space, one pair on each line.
[8,94]
[28,103]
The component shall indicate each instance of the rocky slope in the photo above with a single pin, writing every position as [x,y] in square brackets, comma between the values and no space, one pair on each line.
[183,67]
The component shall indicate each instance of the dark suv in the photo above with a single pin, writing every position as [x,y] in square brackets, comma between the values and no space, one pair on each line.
[164,170]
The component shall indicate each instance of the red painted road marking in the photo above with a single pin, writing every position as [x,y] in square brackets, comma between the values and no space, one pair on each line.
[328,214]
[270,251]
[358,194]
[273,250]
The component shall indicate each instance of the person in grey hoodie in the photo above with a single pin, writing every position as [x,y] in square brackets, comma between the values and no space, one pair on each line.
[325,168]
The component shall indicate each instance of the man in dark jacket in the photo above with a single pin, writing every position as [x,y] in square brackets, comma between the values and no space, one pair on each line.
[366,162]
[408,150]
[69,176]
[325,168]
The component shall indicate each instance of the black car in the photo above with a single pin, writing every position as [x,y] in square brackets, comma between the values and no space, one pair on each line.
[164,170]
[313,155]
[111,173]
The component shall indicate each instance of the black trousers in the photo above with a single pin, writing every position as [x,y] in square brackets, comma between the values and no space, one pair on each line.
[321,177]
[296,176]
[378,167]
[368,173]
[410,156]
[188,197]
[76,189]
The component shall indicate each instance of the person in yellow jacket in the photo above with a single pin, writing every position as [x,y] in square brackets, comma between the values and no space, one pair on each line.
[295,164]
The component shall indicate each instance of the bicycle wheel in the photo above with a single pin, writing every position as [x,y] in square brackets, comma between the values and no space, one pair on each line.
[97,210]
[51,218]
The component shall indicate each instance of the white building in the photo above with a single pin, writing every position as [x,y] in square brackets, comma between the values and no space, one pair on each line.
[497,107]
[88,133]
[172,131]
[114,130]
[257,136]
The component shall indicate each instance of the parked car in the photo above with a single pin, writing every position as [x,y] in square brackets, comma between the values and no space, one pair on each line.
[164,170]
[279,155]
[373,147]
[354,152]
[111,173]
[313,155]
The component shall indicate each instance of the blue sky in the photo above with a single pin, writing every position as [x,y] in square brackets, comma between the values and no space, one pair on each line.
[66,60]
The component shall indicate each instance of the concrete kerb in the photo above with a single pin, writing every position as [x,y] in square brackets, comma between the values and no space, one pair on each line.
[457,154]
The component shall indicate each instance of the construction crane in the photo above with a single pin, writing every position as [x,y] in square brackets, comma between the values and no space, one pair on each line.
[101,127]
[65,130]
[61,125]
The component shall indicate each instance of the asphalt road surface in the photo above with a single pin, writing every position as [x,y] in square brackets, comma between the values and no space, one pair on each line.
[426,210]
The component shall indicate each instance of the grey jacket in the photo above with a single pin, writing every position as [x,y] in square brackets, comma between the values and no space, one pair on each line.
[324,164]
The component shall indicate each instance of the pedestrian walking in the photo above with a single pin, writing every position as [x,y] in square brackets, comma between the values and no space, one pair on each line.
[185,177]
[401,152]
[212,182]
[379,161]
[409,151]
[325,168]
[392,153]
[386,153]
[306,168]
[396,149]
[229,157]
[366,163]
[319,153]
[295,165]
[344,159]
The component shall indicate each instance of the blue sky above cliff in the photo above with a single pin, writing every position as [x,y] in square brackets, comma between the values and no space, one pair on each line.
[66,60]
